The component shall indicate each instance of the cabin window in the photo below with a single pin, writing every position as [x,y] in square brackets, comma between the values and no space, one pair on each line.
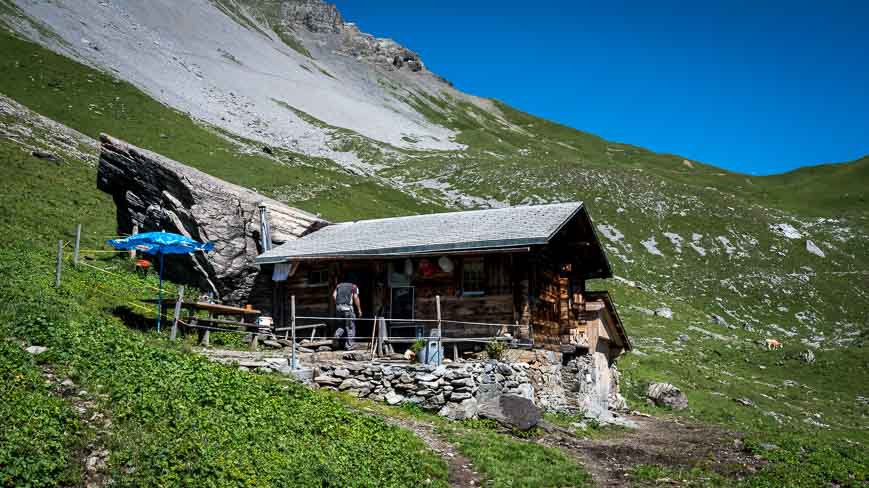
[473,277]
[318,277]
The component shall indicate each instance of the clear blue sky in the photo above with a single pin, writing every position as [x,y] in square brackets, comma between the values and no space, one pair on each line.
[756,87]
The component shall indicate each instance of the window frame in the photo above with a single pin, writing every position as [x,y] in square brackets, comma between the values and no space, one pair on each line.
[324,276]
[480,279]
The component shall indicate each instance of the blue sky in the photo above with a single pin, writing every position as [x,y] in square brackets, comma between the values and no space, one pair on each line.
[756,87]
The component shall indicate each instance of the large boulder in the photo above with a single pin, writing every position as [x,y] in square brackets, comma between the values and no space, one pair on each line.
[155,192]
[666,395]
[467,409]
[512,411]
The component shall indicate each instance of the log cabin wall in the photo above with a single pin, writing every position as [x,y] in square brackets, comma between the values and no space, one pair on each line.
[557,300]
[311,284]
[537,289]
[482,294]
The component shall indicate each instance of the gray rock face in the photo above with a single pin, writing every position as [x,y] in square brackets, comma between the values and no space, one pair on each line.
[316,15]
[157,193]
[512,411]
[666,395]
[384,52]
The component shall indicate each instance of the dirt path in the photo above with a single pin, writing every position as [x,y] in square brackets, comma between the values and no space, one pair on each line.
[93,456]
[667,443]
[462,473]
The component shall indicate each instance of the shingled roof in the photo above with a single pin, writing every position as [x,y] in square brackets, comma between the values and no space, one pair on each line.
[499,228]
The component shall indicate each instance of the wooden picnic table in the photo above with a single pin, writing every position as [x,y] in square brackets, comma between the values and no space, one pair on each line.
[213,308]
[202,324]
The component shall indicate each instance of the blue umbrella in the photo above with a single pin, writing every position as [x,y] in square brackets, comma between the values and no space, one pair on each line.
[160,243]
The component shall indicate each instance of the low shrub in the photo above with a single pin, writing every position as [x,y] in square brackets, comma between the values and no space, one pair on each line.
[495,350]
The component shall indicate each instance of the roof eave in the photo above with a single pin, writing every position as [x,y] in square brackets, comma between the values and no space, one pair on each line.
[515,246]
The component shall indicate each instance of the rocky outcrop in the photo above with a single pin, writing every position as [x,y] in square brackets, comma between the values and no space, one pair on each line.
[324,21]
[315,15]
[157,193]
[384,52]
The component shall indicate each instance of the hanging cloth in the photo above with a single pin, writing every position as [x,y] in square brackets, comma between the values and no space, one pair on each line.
[283,271]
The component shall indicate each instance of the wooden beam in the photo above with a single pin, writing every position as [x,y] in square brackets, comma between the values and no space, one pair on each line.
[178,303]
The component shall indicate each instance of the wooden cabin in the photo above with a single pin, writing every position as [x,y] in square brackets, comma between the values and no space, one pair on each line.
[524,269]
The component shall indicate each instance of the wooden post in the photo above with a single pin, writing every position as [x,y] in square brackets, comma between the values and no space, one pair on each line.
[293,328]
[206,337]
[135,231]
[174,331]
[59,264]
[381,336]
[373,331]
[440,330]
[77,246]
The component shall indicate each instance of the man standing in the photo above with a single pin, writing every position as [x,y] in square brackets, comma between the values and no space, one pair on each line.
[346,295]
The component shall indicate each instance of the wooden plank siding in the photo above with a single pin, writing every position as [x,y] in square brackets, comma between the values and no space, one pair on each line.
[542,290]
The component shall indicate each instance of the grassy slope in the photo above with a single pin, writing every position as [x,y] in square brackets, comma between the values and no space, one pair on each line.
[838,187]
[178,420]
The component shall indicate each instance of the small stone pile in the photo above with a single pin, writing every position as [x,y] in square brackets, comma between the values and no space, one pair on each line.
[451,389]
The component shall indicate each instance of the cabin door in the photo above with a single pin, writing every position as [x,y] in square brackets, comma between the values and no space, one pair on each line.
[402,302]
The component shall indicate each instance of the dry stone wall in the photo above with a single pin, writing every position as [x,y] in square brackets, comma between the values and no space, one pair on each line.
[456,390]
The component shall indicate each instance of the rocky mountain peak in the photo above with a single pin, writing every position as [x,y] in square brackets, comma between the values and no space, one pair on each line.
[315,15]
[320,17]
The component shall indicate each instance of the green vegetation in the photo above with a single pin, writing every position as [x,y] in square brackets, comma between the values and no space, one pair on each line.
[292,42]
[48,198]
[257,16]
[798,462]
[325,72]
[506,459]
[509,462]
[177,419]
[40,430]
[494,350]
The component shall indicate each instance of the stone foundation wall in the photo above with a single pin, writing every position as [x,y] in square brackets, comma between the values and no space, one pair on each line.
[583,385]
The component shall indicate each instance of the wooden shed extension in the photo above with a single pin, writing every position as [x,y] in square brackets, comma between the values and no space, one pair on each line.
[523,265]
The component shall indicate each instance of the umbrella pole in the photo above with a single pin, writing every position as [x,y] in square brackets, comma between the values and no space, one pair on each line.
[160,295]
